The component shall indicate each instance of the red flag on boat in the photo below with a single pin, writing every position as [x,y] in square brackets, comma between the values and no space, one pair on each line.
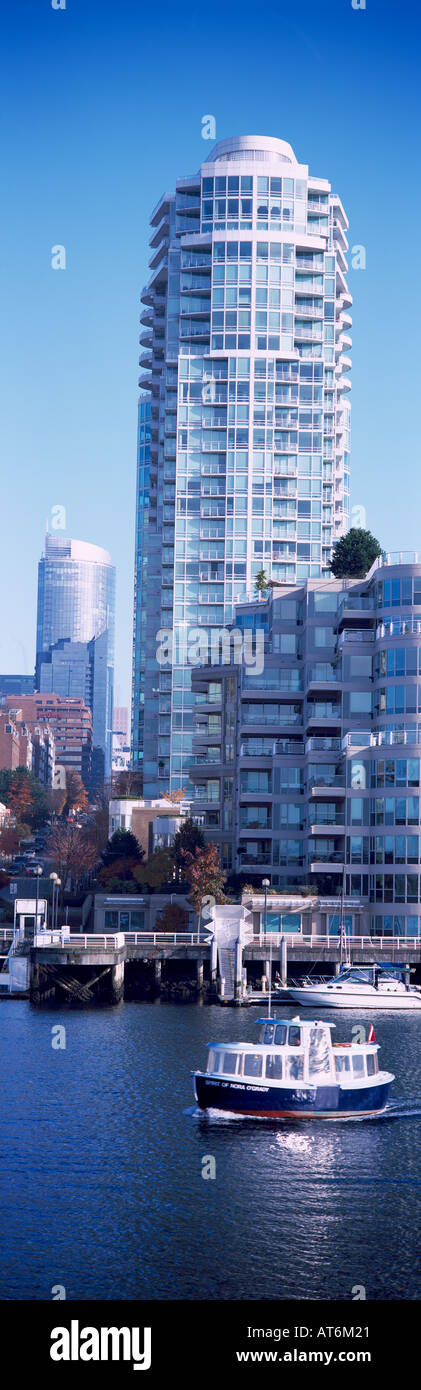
[371,1034]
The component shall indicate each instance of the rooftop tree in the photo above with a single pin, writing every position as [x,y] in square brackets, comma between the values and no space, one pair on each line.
[354,554]
[260,582]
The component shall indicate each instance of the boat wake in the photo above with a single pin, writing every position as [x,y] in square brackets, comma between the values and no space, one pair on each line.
[395,1110]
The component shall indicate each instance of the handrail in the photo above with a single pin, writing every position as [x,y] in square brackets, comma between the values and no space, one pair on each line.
[377,943]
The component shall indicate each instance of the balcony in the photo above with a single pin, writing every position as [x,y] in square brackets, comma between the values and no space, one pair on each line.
[284,747]
[326,786]
[355,634]
[332,863]
[332,823]
[318,744]
[324,709]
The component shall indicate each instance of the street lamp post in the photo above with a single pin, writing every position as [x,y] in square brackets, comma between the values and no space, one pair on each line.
[54,879]
[266,885]
[58,886]
[37,872]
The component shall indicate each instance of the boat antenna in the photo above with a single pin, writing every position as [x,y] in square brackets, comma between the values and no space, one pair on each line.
[266,885]
[342,934]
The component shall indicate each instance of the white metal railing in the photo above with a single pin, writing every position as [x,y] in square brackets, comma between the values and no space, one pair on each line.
[377,943]
[85,941]
[395,557]
[168,938]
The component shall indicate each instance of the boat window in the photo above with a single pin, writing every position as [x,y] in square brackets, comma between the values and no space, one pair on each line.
[342,1064]
[269,1033]
[280,1034]
[294,1068]
[371,1063]
[294,1035]
[274,1066]
[230,1063]
[253,1063]
[319,1052]
[358,1065]
[214,1059]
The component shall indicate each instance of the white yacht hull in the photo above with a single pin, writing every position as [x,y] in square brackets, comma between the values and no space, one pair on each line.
[339,997]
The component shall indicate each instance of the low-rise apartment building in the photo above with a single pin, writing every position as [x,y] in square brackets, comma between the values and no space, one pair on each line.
[308,772]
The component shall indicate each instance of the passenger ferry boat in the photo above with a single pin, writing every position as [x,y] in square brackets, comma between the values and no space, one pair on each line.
[360,987]
[296,1071]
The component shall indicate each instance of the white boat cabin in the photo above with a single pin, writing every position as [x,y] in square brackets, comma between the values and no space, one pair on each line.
[294,1052]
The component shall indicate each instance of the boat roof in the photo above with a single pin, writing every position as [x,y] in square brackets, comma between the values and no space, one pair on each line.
[302,1022]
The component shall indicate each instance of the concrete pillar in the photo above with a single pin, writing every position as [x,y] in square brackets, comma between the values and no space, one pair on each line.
[199,975]
[283,960]
[238,972]
[337,967]
[158,973]
[214,965]
[266,976]
[117,982]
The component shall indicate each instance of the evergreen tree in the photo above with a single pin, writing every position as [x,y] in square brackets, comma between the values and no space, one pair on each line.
[122,845]
[188,839]
[354,554]
[260,582]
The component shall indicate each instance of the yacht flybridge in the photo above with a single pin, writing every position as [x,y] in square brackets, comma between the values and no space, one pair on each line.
[294,1072]
[382,986]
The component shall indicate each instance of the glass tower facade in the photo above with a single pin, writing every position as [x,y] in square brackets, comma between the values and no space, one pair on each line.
[245,330]
[75,633]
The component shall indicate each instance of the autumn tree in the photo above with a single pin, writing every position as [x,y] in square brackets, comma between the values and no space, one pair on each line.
[157,870]
[100,820]
[73,850]
[76,794]
[206,878]
[56,800]
[176,796]
[9,840]
[24,796]
[128,782]
[172,918]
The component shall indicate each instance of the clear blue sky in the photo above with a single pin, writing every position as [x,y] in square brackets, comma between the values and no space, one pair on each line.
[101,111]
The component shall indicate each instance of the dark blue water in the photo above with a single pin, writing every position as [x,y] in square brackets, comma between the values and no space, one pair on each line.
[101,1186]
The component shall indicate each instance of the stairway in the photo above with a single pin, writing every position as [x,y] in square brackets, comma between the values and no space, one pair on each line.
[226,956]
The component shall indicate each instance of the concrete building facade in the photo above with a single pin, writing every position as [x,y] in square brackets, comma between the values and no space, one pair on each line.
[309,773]
[70,722]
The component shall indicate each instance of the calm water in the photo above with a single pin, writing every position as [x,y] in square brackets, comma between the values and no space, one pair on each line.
[101,1152]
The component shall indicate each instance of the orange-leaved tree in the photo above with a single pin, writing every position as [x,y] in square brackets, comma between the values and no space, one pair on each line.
[205,876]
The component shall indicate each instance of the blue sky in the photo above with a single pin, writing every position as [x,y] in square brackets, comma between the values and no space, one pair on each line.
[101,110]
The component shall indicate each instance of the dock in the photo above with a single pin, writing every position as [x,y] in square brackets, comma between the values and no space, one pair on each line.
[80,969]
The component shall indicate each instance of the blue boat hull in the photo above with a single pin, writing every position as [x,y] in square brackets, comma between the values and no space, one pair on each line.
[276,1102]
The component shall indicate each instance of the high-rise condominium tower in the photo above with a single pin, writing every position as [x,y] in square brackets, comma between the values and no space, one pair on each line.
[243,456]
[75,634]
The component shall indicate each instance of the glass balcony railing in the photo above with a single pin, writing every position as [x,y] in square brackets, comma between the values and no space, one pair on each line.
[356,602]
[318,744]
[321,671]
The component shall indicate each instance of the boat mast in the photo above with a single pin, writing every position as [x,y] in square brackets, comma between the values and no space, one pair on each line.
[342,934]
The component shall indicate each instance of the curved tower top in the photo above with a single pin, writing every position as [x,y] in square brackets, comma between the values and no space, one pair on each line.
[63,548]
[259,147]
